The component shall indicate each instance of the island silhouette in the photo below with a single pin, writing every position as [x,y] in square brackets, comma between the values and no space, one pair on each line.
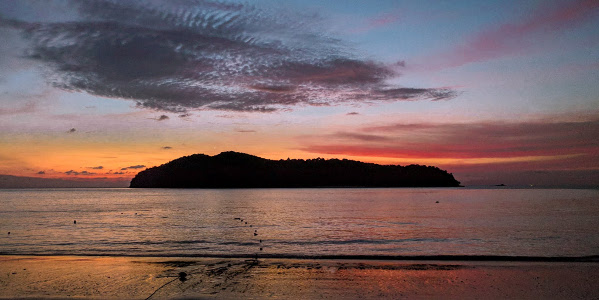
[239,170]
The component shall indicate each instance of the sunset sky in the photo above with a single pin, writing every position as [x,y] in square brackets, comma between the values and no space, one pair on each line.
[491,91]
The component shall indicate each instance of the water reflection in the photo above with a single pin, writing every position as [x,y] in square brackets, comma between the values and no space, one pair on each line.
[300,222]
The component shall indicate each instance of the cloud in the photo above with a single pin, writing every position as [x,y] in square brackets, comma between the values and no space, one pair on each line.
[513,38]
[167,148]
[353,113]
[180,55]
[162,118]
[25,109]
[133,167]
[361,137]
[71,172]
[71,130]
[245,130]
[384,19]
[544,138]
[97,168]
[400,64]
[378,21]
[41,172]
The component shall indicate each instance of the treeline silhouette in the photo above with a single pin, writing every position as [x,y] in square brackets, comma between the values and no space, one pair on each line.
[240,170]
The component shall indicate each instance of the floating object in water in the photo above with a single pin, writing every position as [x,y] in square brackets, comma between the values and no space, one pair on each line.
[260,248]
[182,276]
[255,234]
[9,233]
[260,241]
[250,225]
[237,219]
[436,201]
[75,222]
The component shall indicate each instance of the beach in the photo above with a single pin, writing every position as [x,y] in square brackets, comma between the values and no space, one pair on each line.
[102,277]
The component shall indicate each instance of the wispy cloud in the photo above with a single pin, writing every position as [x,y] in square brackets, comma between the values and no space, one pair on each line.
[381,20]
[513,38]
[27,108]
[133,167]
[180,55]
[352,136]
[72,172]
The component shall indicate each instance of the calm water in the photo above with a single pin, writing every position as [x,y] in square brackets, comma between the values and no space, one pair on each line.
[165,222]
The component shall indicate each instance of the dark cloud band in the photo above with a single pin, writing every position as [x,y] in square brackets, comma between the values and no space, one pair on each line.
[546,138]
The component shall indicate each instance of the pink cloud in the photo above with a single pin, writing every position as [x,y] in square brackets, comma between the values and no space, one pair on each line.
[467,141]
[514,38]
[379,21]
[384,19]
[28,107]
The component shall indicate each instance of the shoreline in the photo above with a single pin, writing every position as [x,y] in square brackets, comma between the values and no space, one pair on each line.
[398,258]
[136,277]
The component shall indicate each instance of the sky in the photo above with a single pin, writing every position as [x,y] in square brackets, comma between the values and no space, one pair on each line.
[495,92]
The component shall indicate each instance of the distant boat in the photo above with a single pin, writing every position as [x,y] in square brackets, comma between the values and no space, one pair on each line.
[500,184]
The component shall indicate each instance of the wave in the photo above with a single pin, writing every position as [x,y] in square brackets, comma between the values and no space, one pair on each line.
[362,241]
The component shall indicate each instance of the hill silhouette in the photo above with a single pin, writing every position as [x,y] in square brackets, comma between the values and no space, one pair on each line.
[240,170]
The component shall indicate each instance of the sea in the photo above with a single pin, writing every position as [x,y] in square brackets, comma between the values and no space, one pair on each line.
[336,222]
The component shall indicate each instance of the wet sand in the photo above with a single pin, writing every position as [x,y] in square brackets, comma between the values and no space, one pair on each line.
[58,277]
